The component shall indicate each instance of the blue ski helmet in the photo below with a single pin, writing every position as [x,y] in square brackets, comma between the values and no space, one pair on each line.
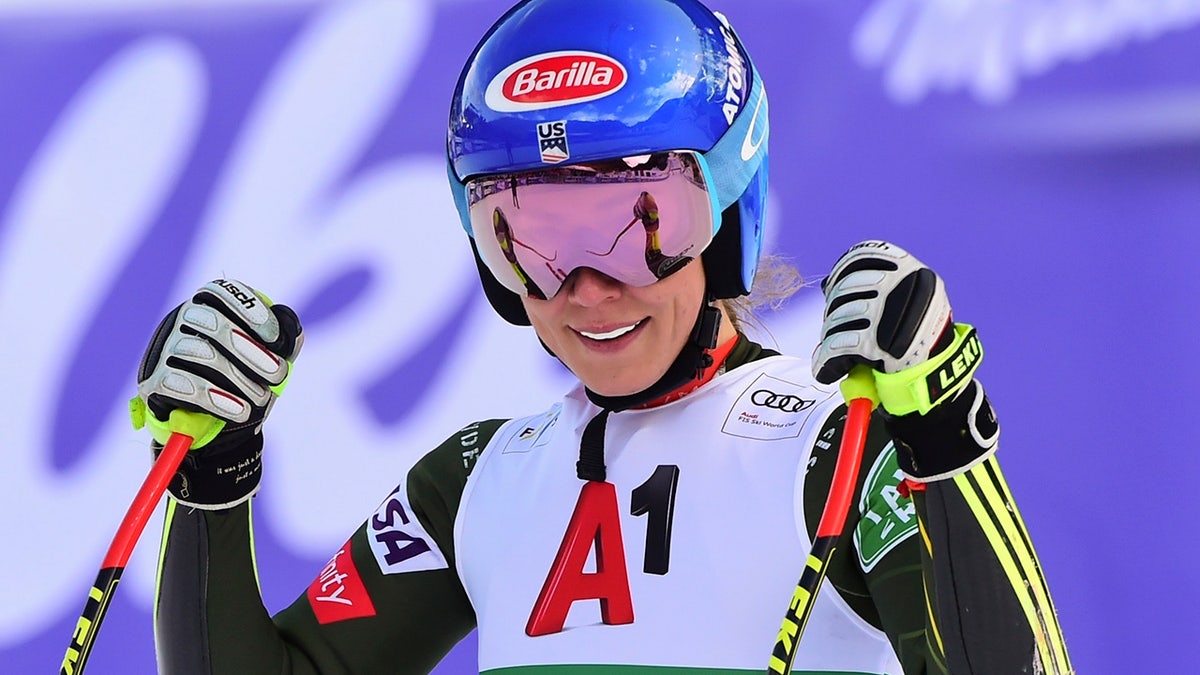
[615,79]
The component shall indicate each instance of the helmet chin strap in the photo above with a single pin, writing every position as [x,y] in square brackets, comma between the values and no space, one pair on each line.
[688,365]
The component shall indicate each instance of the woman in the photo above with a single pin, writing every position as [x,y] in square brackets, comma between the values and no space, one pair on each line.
[659,515]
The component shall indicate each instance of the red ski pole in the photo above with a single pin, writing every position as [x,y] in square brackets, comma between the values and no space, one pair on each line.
[859,391]
[196,425]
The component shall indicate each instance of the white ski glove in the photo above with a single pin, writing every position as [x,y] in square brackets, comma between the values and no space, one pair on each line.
[887,310]
[225,355]
[883,308]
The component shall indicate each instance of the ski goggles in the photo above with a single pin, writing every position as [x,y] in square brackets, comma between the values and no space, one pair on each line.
[637,220]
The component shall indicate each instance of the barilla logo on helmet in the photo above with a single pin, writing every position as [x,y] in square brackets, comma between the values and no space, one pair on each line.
[554,79]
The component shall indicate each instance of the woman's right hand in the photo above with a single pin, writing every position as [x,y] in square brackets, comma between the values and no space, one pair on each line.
[226,353]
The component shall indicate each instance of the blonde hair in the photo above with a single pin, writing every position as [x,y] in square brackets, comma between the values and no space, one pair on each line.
[775,282]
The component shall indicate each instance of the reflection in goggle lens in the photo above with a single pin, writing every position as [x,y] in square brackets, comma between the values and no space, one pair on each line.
[548,223]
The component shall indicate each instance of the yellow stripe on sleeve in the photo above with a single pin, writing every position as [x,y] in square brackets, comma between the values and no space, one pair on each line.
[937,634]
[1005,558]
[162,555]
[925,536]
[1005,513]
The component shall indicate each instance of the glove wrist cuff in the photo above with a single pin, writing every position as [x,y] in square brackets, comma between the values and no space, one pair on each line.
[922,387]
[221,477]
[951,439]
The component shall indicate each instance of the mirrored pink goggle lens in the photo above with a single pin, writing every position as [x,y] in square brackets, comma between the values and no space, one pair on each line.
[635,224]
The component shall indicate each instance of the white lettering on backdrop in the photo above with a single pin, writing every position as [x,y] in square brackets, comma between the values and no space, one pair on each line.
[282,217]
[987,46]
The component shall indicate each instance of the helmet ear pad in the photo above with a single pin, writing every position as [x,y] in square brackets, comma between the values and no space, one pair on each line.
[731,260]
[722,259]
[506,303]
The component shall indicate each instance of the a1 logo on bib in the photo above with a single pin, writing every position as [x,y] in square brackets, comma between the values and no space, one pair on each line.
[770,409]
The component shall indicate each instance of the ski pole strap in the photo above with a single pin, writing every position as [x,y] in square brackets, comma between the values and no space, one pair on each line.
[919,388]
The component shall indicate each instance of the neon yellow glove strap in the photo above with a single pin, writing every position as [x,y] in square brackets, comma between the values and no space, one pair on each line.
[200,426]
[921,387]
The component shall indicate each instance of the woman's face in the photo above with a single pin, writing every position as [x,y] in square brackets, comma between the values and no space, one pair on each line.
[619,339]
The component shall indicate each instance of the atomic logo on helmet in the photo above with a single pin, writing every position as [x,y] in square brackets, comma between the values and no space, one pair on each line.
[734,88]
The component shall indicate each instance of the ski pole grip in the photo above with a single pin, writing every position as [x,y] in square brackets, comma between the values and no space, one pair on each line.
[200,427]
[860,383]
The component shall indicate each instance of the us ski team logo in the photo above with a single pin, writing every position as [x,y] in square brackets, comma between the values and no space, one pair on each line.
[554,79]
[552,141]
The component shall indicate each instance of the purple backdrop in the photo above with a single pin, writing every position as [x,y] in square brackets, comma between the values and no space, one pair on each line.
[1044,157]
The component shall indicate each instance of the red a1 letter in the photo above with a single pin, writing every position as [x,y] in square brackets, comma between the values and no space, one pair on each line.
[597,520]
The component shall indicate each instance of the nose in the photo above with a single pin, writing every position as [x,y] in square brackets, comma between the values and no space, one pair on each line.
[587,287]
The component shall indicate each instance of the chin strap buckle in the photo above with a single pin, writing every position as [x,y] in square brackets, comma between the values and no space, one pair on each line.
[705,334]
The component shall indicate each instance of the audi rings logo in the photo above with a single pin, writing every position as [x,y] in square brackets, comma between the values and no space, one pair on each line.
[766,398]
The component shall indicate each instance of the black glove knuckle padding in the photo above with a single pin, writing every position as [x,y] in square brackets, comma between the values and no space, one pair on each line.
[283,341]
[157,342]
[290,332]
[223,353]
[893,319]
[903,311]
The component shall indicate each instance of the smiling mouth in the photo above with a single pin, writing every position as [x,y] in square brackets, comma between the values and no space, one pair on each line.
[612,334]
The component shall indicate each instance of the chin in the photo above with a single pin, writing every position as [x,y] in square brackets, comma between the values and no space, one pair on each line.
[614,390]
[608,386]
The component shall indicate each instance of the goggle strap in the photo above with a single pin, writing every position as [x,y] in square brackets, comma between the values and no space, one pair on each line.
[730,173]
